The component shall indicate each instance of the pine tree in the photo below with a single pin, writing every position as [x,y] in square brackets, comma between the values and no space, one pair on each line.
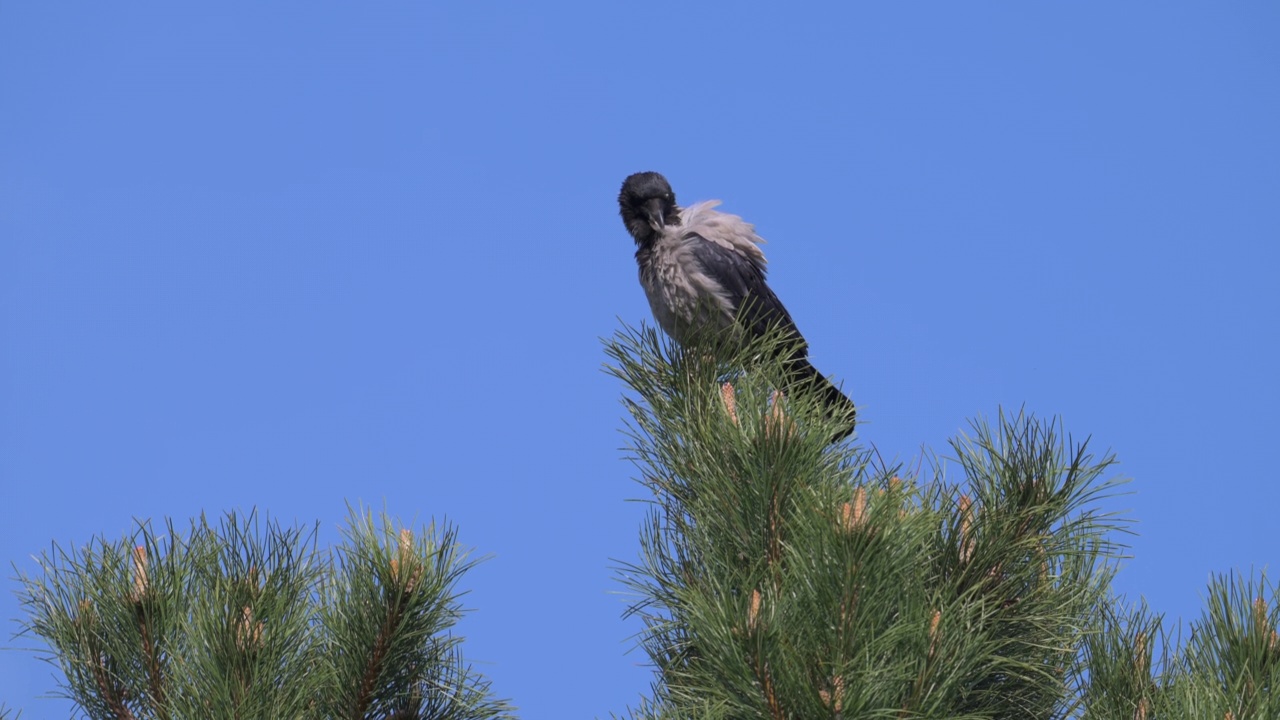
[245,618]
[783,577]
[779,577]
[1228,668]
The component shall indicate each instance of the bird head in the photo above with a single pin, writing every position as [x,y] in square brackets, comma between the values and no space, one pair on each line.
[647,204]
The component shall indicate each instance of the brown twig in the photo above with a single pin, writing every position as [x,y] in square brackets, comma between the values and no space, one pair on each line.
[374,669]
[112,695]
[396,601]
[142,597]
[155,670]
[770,696]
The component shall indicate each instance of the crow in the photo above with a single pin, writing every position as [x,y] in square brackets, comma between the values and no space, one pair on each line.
[704,272]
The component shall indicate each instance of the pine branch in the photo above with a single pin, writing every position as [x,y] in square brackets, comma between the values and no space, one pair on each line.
[387,612]
[405,572]
[781,576]
[145,609]
[232,620]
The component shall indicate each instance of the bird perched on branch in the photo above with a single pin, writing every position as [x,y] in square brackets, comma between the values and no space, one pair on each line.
[703,271]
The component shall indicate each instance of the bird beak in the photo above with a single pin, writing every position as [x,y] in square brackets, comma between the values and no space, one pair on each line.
[653,210]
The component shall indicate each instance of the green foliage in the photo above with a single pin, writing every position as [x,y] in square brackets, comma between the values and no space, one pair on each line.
[1228,668]
[247,619]
[780,576]
[1231,663]
[1119,661]
[397,589]
[783,577]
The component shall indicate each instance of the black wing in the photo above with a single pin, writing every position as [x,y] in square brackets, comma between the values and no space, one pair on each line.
[758,308]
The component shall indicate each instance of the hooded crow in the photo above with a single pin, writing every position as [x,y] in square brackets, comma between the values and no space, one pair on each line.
[703,271]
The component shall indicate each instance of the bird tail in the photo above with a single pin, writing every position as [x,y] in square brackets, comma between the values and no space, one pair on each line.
[806,377]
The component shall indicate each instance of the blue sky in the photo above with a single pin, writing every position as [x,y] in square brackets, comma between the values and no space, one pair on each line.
[299,255]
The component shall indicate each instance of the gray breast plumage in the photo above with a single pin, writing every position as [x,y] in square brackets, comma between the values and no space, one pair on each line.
[684,297]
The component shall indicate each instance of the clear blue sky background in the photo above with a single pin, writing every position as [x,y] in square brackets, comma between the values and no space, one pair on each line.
[305,254]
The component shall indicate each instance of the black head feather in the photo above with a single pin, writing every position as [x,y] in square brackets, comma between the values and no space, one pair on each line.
[647,203]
